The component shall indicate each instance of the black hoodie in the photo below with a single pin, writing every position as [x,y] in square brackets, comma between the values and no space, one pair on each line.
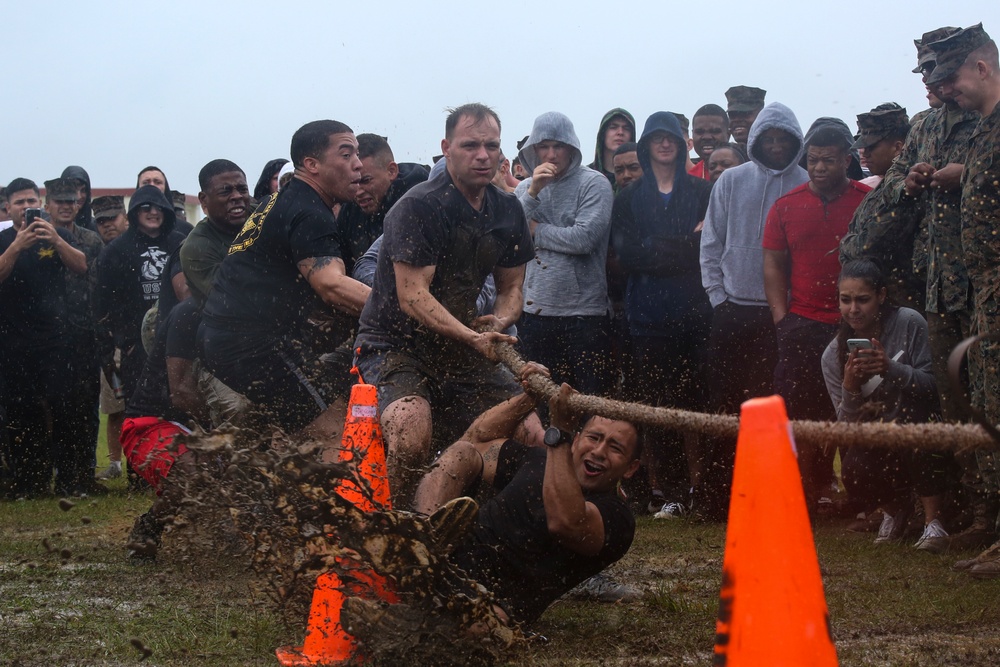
[85,218]
[128,273]
[358,230]
[656,240]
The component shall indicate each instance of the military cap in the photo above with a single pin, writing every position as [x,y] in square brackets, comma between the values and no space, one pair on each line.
[62,189]
[683,120]
[885,120]
[744,99]
[924,53]
[950,53]
[108,206]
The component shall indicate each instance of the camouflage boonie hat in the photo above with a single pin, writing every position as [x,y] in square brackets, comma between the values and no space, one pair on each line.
[924,53]
[744,99]
[885,120]
[950,53]
[62,189]
[108,206]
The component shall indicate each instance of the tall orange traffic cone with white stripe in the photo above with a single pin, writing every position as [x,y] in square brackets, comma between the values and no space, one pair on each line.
[772,610]
[326,642]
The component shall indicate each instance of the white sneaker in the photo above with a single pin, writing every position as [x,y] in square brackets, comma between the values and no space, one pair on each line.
[671,510]
[885,530]
[114,470]
[932,530]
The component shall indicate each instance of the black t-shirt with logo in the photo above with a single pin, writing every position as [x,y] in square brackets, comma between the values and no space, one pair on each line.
[259,289]
[33,305]
[510,549]
[434,225]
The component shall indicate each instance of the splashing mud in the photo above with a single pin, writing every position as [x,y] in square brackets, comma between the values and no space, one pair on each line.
[273,503]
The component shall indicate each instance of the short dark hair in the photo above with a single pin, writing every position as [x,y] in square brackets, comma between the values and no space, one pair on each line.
[19,184]
[627,147]
[152,168]
[312,139]
[826,137]
[737,150]
[370,145]
[477,111]
[639,435]
[213,169]
[713,110]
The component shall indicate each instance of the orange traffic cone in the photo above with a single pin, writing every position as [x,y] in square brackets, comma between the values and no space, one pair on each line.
[772,610]
[326,642]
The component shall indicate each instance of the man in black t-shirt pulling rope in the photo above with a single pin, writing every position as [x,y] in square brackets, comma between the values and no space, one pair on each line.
[555,518]
[285,263]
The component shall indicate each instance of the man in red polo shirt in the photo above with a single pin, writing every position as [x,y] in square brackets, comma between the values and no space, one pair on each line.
[801,266]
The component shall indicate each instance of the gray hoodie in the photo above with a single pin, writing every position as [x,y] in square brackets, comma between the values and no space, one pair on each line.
[571,241]
[732,254]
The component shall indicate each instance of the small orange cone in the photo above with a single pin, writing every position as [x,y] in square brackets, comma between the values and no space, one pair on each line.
[772,610]
[326,642]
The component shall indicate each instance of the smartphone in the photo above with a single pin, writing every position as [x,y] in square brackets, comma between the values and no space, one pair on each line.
[854,344]
[30,214]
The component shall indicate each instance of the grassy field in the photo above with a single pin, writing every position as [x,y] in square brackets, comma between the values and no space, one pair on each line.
[68,596]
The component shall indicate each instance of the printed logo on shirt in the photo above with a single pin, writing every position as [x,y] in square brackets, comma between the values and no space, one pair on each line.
[252,227]
[44,253]
[153,261]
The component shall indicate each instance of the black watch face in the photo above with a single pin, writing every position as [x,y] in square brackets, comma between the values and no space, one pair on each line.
[553,436]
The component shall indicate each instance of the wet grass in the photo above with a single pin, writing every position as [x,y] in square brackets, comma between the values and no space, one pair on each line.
[78,601]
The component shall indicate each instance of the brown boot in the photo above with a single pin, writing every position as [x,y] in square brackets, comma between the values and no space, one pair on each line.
[980,532]
[991,556]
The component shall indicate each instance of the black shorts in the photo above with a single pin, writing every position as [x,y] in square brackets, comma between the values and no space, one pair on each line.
[282,377]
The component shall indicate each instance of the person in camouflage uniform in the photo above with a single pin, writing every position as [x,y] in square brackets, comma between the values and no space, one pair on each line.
[968,70]
[75,460]
[920,199]
[880,222]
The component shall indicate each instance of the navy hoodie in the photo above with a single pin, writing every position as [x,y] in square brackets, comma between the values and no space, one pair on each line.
[656,240]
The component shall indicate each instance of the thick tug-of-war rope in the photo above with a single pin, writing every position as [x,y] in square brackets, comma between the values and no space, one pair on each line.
[932,436]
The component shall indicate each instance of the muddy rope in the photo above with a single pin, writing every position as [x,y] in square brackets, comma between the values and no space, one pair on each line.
[931,436]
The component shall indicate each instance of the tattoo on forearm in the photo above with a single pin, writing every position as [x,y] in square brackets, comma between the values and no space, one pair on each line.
[318,264]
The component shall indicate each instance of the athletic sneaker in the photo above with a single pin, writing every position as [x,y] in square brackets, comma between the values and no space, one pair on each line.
[655,502]
[113,471]
[671,510]
[886,530]
[934,538]
[602,588]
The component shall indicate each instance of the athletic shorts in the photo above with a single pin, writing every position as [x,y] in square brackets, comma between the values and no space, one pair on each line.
[456,397]
[147,443]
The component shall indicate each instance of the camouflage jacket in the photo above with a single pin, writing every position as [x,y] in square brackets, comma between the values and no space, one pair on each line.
[981,208]
[80,289]
[946,140]
[889,224]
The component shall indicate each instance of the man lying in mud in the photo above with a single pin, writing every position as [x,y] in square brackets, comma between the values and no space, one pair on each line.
[554,518]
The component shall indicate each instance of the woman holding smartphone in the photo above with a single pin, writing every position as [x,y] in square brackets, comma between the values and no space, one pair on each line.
[886,377]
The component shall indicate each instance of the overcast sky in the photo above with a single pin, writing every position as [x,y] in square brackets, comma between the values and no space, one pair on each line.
[114,86]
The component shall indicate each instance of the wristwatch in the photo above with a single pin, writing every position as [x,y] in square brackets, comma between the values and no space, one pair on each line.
[554,437]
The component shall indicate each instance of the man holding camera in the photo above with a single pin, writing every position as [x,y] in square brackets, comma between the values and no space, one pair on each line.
[34,257]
